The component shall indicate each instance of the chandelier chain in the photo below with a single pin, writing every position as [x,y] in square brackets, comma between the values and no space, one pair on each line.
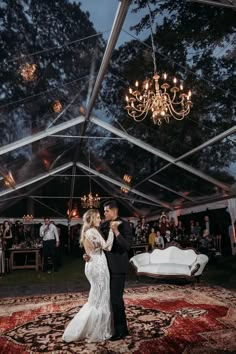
[152,40]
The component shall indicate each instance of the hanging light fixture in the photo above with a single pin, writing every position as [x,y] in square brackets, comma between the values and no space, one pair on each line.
[127,179]
[161,100]
[57,106]
[27,218]
[74,212]
[28,71]
[9,180]
[89,201]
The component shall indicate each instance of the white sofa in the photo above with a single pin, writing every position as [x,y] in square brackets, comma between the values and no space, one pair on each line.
[170,262]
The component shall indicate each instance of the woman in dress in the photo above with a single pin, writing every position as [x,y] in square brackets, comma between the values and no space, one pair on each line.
[93,321]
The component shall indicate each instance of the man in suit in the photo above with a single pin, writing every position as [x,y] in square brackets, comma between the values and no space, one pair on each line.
[118,262]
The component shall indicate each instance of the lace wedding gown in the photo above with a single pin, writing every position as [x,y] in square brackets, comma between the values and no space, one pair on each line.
[93,321]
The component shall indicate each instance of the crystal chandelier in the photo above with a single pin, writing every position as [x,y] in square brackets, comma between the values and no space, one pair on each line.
[162,100]
[89,201]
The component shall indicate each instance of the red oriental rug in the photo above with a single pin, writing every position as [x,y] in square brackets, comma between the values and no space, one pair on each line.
[162,319]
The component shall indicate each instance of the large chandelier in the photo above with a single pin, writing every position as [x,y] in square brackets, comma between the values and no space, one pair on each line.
[161,100]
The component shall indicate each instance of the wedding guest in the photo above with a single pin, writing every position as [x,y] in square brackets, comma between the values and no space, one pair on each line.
[7,237]
[163,225]
[151,239]
[2,256]
[159,240]
[141,231]
[49,235]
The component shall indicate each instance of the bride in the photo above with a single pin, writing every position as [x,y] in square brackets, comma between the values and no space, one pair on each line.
[93,321]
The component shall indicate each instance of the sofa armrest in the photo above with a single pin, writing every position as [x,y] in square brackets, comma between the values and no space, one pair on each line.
[198,266]
[194,268]
[140,259]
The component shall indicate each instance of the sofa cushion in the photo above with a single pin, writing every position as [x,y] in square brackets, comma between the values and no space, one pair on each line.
[173,255]
[179,256]
[165,269]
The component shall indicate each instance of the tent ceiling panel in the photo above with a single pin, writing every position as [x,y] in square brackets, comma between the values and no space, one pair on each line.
[175,164]
[185,183]
[217,160]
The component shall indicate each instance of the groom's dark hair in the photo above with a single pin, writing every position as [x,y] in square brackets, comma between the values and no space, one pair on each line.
[112,204]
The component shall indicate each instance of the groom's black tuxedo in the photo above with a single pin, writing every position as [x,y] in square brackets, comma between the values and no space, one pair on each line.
[118,262]
[117,258]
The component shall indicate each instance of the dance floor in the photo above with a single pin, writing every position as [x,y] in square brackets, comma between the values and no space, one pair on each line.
[162,319]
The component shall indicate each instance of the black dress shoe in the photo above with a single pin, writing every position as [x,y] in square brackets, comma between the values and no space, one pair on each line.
[118,336]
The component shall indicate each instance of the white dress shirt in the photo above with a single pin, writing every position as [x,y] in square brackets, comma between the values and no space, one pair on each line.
[49,232]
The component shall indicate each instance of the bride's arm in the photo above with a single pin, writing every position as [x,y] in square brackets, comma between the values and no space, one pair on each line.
[98,241]
[107,245]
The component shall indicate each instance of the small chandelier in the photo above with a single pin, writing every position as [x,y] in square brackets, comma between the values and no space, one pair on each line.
[57,106]
[162,100]
[127,179]
[28,71]
[9,180]
[27,218]
[89,201]
[74,212]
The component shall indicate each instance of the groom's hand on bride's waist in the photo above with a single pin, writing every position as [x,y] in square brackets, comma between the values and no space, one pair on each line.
[86,257]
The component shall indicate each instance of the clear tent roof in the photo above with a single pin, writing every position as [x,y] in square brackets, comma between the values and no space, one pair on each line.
[86,62]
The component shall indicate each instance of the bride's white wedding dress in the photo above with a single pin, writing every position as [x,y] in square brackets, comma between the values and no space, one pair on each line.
[93,321]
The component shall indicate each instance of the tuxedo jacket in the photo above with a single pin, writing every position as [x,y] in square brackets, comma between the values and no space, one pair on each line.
[117,258]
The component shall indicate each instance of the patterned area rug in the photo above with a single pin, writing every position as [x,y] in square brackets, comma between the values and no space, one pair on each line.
[162,319]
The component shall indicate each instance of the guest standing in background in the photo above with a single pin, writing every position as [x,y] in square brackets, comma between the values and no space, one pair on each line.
[49,234]
[151,239]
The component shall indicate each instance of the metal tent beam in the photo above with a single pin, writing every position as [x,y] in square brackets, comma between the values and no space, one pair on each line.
[36,179]
[222,3]
[41,135]
[115,32]
[159,153]
[119,184]
[196,149]
[170,190]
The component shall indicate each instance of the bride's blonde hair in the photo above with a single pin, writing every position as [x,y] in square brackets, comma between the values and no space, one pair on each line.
[88,221]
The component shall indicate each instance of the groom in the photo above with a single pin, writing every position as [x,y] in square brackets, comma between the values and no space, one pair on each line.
[118,262]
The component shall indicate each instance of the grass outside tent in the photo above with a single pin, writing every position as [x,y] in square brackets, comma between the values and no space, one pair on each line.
[71,277]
